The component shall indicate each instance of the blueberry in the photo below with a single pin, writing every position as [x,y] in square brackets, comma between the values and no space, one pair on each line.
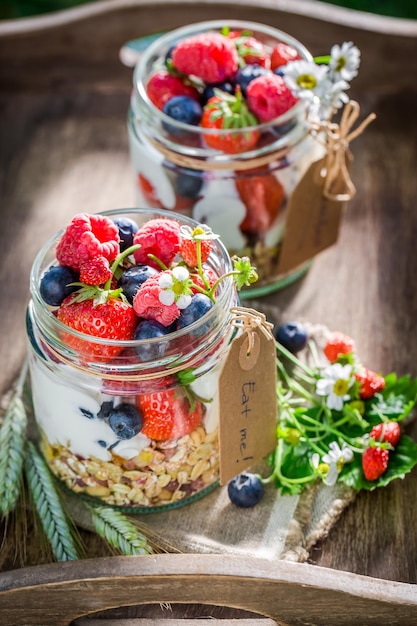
[245,490]
[182,109]
[200,305]
[133,278]
[105,410]
[292,335]
[247,74]
[55,284]
[125,420]
[127,228]
[208,91]
[188,183]
[150,329]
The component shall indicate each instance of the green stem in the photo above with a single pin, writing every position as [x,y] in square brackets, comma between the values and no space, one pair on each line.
[277,473]
[117,261]
[289,355]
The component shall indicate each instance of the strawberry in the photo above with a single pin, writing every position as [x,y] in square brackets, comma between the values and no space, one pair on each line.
[374,462]
[162,86]
[149,191]
[209,274]
[230,114]
[113,319]
[338,344]
[370,383]
[188,251]
[281,54]
[95,271]
[262,197]
[250,50]
[167,415]
[269,97]
[389,432]
[212,57]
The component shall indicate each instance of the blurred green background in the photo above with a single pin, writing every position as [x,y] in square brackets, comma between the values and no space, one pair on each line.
[10,9]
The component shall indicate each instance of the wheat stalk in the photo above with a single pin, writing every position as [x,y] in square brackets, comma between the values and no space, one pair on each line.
[12,449]
[56,524]
[118,531]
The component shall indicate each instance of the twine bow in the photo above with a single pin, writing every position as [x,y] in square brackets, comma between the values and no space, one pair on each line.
[338,138]
[249,320]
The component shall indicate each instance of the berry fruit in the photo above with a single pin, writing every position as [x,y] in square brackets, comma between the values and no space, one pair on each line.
[247,74]
[133,278]
[127,228]
[55,284]
[209,90]
[182,109]
[95,271]
[245,490]
[159,237]
[389,432]
[338,344]
[88,236]
[188,183]
[370,383]
[163,86]
[374,462]
[281,54]
[150,329]
[188,251]
[147,304]
[167,415]
[125,420]
[263,197]
[269,97]
[292,335]
[212,57]
[200,305]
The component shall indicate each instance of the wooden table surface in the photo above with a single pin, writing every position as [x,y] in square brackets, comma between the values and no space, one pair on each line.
[63,102]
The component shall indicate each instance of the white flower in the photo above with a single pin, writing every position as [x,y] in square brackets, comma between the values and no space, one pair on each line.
[344,61]
[305,78]
[332,462]
[331,95]
[175,287]
[201,232]
[335,383]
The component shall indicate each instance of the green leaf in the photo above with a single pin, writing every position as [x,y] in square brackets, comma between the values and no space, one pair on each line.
[401,461]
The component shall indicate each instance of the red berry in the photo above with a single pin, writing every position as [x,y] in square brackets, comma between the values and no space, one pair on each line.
[250,50]
[113,319]
[159,237]
[370,382]
[389,432]
[149,191]
[163,86]
[95,271]
[147,304]
[168,415]
[374,462]
[230,114]
[209,56]
[85,237]
[269,97]
[262,196]
[210,276]
[281,54]
[338,344]
[188,251]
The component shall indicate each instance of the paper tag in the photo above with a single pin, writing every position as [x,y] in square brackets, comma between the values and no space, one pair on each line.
[247,402]
[313,221]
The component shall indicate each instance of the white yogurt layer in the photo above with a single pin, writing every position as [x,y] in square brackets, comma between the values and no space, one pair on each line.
[69,415]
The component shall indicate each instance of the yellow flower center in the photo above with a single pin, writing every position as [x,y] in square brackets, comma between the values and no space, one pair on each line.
[307,81]
[341,387]
[197,231]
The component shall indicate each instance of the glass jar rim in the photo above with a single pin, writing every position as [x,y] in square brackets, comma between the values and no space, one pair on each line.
[52,326]
[144,109]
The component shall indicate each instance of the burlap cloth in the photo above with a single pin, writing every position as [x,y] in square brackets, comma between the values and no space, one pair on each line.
[279,527]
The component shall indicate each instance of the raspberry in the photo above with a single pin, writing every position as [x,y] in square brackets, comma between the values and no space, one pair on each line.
[371,383]
[162,86]
[188,251]
[336,345]
[95,271]
[209,56]
[159,237]
[147,304]
[281,54]
[269,97]
[88,236]
[250,49]
[389,432]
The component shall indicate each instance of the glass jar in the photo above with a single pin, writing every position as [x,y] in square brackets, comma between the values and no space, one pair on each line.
[243,197]
[90,410]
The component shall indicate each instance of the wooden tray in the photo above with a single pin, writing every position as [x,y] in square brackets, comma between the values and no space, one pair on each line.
[64,97]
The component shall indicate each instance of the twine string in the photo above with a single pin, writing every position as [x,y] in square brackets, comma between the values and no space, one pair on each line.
[338,138]
[250,320]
